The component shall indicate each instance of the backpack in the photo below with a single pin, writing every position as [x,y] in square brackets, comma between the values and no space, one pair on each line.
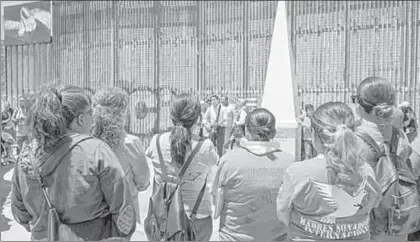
[400,202]
[166,219]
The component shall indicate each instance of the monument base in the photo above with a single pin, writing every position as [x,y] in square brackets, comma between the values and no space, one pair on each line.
[288,136]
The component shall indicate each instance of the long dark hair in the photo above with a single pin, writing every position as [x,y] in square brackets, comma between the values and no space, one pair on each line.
[185,111]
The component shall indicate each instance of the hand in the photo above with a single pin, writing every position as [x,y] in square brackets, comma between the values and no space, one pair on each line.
[27,227]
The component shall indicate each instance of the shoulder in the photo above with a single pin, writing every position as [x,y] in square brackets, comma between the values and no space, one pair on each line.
[305,169]
[132,140]
[285,157]
[368,170]
[207,144]
[88,140]
[91,145]
[233,158]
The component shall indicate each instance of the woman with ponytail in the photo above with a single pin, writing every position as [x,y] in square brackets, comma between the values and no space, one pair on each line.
[329,197]
[390,154]
[247,181]
[65,169]
[175,147]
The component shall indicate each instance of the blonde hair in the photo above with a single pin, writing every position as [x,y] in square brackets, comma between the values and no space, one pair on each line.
[333,123]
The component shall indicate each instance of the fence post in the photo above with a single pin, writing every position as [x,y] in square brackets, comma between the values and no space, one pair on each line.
[415,54]
[245,48]
[115,59]
[200,43]
[86,40]
[346,73]
[156,30]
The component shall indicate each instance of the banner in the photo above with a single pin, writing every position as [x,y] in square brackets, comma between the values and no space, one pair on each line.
[27,23]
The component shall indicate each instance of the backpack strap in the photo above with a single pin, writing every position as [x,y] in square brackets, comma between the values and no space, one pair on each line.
[368,139]
[162,163]
[393,147]
[190,158]
[199,199]
[60,149]
[218,114]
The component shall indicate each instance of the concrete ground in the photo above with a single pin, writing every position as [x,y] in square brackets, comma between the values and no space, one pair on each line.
[12,231]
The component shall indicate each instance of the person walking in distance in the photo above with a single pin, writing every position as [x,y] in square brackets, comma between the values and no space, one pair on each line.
[228,114]
[109,118]
[19,118]
[305,121]
[215,124]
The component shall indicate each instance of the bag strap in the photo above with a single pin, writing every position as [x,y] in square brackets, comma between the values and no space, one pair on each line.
[60,149]
[368,139]
[162,164]
[186,164]
[190,157]
[199,199]
[393,147]
[218,114]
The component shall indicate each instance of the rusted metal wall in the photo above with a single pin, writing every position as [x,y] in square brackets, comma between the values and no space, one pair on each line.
[152,49]
[337,44]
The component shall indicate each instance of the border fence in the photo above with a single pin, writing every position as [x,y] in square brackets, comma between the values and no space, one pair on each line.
[339,43]
[156,49]
[152,49]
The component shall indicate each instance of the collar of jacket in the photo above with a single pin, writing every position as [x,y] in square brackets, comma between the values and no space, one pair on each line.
[260,147]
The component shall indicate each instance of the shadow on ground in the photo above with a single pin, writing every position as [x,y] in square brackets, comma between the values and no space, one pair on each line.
[4,192]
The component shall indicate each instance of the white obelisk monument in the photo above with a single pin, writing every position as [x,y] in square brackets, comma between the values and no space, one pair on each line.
[280,90]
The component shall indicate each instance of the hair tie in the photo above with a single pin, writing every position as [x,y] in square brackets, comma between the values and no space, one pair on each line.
[341,126]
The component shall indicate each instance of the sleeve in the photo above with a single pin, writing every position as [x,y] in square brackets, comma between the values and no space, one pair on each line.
[212,158]
[140,166]
[218,190]
[284,198]
[116,191]
[207,116]
[242,117]
[150,148]
[19,211]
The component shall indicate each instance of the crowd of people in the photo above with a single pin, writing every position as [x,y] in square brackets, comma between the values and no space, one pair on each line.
[14,130]
[79,172]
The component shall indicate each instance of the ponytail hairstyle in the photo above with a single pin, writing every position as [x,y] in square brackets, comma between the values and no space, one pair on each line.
[51,112]
[109,115]
[260,125]
[377,97]
[185,112]
[333,123]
